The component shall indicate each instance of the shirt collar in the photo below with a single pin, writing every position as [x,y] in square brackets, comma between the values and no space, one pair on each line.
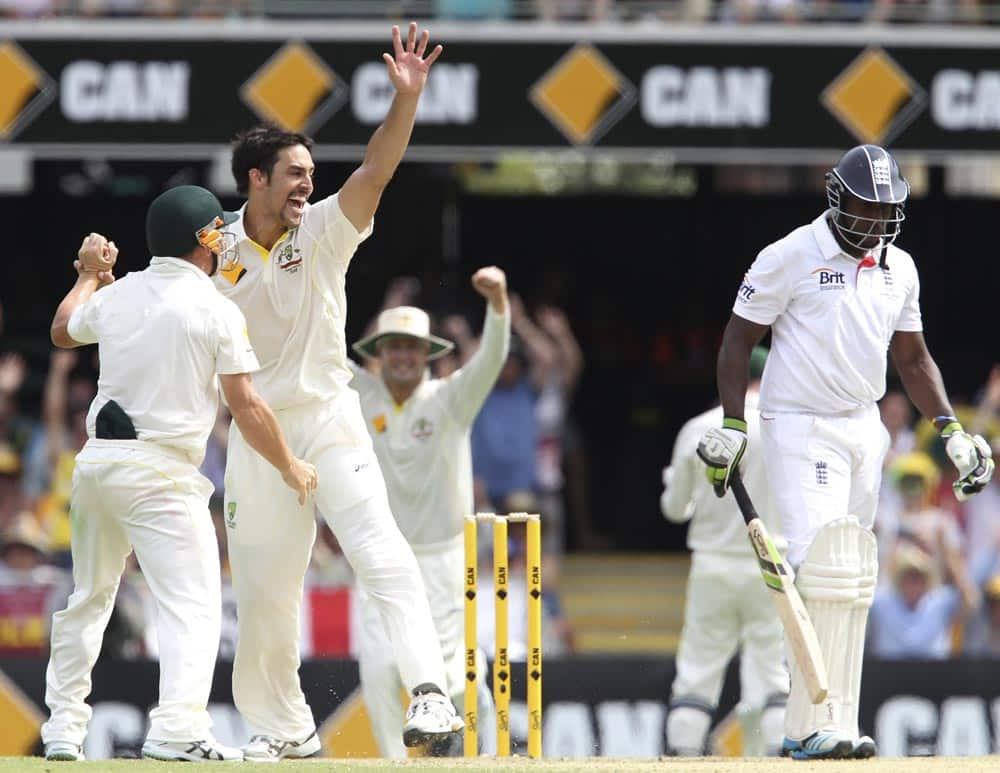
[825,239]
[236,227]
[177,265]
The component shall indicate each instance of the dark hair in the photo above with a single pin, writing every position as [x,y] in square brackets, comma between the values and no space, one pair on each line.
[258,148]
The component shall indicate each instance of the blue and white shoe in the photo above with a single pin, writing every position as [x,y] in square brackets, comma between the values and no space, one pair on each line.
[864,748]
[821,745]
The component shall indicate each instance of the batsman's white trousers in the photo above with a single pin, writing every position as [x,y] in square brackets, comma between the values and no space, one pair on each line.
[727,609]
[128,495]
[441,565]
[821,468]
[270,543]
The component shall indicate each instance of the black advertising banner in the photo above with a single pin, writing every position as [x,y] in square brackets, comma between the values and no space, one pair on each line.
[698,93]
[608,706]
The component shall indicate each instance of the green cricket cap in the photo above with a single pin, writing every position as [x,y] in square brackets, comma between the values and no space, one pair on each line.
[757,359]
[176,216]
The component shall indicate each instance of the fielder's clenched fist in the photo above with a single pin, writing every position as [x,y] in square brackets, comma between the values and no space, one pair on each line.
[97,256]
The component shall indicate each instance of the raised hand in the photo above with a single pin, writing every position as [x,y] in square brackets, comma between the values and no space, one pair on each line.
[12,372]
[408,68]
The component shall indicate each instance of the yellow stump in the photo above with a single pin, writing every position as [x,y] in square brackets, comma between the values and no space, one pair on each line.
[534,665]
[471,668]
[501,664]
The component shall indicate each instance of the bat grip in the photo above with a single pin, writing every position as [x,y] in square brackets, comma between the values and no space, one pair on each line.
[742,497]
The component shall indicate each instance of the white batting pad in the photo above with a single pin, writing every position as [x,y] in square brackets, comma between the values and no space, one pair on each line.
[830,582]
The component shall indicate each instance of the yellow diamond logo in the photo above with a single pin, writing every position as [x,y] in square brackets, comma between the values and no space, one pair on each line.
[583,95]
[874,98]
[295,89]
[27,89]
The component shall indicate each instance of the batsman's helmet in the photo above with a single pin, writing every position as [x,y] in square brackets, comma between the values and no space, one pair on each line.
[867,173]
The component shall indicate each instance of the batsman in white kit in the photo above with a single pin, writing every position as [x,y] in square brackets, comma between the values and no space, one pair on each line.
[726,607]
[421,428]
[166,340]
[289,281]
[837,295]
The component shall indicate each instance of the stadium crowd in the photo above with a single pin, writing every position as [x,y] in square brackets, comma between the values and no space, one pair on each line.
[626,11]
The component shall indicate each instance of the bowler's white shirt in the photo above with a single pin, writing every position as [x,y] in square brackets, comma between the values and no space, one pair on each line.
[716,523]
[163,334]
[295,302]
[831,320]
[423,445]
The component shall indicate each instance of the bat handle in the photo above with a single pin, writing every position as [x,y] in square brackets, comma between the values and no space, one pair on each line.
[742,497]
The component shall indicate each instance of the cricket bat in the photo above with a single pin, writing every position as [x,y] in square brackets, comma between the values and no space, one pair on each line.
[780,581]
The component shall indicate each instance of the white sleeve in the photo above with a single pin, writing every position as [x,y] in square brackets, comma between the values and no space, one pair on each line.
[910,320]
[327,221]
[681,476]
[468,388]
[765,290]
[233,352]
[84,323]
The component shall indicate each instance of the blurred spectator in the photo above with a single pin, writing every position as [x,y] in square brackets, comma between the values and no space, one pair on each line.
[897,416]
[65,414]
[473,9]
[746,11]
[30,589]
[925,526]
[982,637]
[913,617]
[29,9]
[15,432]
[574,10]
[505,439]
[982,512]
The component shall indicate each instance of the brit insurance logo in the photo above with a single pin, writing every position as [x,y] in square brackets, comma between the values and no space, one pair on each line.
[874,98]
[27,89]
[583,95]
[828,279]
[746,291]
[295,89]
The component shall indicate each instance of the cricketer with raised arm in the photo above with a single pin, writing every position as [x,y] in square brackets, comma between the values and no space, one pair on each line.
[837,295]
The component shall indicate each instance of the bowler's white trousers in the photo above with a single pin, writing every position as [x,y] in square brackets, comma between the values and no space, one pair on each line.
[727,609]
[270,543]
[135,495]
[821,468]
[441,565]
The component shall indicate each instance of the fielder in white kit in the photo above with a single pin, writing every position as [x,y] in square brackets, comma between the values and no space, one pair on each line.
[166,340]
[726,606]
[421,428]
[289,281]
[837,296]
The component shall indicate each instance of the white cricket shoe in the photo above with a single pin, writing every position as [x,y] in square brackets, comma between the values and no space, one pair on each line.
[268,748]
[431,715]
[205,750]
[63,751]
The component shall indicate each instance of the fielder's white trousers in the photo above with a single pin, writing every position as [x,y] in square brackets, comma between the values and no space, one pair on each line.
[441,566]
[821,468]
[727,609]
[134,495]
[270,542]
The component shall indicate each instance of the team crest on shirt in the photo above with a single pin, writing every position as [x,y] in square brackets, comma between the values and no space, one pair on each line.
[829,279]
[379,423]
[422,429]
[231,515]
[289,259]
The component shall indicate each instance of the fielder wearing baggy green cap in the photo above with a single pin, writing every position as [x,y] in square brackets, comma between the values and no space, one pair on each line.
[186,217]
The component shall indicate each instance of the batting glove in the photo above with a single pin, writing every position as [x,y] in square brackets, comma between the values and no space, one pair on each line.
[972,457]
[721,448]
